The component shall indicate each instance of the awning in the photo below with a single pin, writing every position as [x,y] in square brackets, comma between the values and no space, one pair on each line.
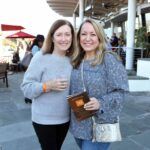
[21,34]
[6,27]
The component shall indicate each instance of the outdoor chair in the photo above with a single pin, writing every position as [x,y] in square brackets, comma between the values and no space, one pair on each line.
[3,73]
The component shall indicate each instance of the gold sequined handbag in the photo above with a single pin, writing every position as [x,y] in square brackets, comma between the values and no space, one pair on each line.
[106,132]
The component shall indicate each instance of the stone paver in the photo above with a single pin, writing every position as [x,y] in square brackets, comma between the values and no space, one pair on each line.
[16,132]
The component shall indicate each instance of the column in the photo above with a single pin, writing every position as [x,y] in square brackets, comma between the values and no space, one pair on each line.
[143,20]
[116,29]
[123,30]
[139,16]
[81,10]
[130,34]
[74,20]
[112,28]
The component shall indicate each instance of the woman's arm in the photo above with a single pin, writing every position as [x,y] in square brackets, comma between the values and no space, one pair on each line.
[32,86]
[117,87]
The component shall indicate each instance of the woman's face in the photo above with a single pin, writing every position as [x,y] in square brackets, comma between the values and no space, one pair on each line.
[62,39]
[88,38]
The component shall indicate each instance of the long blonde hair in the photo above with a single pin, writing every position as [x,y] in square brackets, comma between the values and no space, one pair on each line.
[48,45]
[79,52]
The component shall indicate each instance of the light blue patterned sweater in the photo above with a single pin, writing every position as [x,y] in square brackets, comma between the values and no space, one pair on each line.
[51,107]
[108,83]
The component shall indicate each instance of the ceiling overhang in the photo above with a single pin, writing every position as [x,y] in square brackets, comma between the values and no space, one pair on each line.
[63,7]
[96,9]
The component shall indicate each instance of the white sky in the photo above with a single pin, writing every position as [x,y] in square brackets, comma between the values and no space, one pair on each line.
[35,15]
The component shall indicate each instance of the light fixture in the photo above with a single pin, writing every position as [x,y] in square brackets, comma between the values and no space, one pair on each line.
[88,7]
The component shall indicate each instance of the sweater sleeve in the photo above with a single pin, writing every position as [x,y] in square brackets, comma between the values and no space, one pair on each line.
[117,87]
[35,49]
[32,85]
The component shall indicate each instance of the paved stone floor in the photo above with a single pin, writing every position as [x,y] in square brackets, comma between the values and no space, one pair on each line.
[16,132]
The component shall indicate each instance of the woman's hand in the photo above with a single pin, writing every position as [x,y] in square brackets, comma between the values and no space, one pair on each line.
[56,84]
[93,104]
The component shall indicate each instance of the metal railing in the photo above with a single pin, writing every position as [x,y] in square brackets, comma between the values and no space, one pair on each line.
[124,49]
[121,51]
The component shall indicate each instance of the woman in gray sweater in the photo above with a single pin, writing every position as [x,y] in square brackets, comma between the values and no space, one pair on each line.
[105,81]
[46,82]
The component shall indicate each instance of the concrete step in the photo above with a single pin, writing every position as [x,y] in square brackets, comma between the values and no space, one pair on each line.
[137,78]
[138,84]
[143,67]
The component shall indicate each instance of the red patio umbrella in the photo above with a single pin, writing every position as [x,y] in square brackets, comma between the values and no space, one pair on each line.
[21,34]
[6,27]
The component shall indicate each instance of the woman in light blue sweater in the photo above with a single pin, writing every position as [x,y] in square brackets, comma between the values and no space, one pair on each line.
[46,82]
[105,81]
[37,44]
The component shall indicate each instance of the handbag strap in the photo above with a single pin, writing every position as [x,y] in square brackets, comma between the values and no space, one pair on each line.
[84,88]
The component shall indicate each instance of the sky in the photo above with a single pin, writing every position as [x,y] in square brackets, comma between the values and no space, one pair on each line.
[35,15]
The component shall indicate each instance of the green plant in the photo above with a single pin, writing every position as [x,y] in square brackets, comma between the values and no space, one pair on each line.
[141,40]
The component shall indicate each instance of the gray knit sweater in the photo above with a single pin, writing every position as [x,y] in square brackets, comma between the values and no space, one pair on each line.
[51,107]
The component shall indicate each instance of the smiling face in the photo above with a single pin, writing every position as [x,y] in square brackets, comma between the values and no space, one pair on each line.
[88,38]
[62,39]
